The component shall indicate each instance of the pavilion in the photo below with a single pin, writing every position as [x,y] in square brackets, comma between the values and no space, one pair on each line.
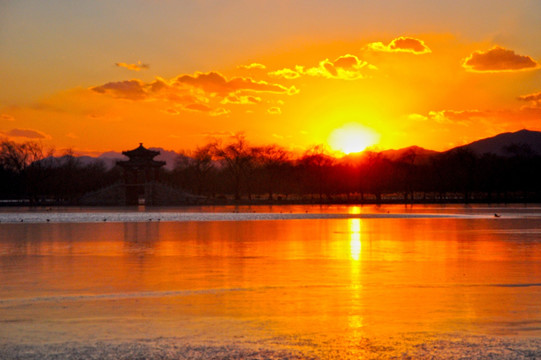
[141,173]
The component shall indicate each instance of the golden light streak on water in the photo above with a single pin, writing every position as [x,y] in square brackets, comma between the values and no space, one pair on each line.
[355,245]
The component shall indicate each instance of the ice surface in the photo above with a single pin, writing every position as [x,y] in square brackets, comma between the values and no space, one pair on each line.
[95,217]
[419,346]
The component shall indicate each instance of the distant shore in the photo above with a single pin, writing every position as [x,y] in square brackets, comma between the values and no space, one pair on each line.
[339,200]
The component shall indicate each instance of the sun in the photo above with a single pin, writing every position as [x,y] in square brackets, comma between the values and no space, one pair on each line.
[352,138]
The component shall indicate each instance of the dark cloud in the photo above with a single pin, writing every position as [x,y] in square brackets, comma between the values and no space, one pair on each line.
[498,59]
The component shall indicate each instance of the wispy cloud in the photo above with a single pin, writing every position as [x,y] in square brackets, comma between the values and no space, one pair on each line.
[252,66]
[274,110]
[285,73]
[526,116]
[241,99]
[534,98]
[133,67]
[6,117]
[498,59]
[26,133]
[220,111]
[402,44]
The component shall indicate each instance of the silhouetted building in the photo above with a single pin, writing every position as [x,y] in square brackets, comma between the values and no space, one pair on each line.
[141,173]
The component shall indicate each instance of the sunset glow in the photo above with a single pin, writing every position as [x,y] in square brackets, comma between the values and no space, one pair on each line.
[352,138]
[280,75]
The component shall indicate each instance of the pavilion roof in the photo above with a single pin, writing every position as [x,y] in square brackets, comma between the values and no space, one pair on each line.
[141,153]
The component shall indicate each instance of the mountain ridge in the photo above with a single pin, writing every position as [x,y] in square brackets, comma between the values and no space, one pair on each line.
[503,144]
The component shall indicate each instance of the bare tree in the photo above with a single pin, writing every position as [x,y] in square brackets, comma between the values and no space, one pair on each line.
[238,160]
[199,164]
[17,157]
[272,159]
[317,162]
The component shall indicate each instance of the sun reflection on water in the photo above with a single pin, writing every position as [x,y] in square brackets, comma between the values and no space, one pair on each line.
[355,246]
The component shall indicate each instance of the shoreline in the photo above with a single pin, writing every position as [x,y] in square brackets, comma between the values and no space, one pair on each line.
[264,202]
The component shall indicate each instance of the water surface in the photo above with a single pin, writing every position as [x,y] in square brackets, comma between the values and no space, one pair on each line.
[292,281]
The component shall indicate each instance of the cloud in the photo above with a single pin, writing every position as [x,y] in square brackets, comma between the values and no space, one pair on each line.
[128,89]
[274,110]
[201,92]
[172,111]
[526,117]
[285,73]
[346,67]
[133,67]
[220,112]
[72,135]
[215,83]
[6,117]
[252,66]
[402,44]
[26,133]
[241,99]
[218,134]
[208,109]
[198,107]
[187,89]
[498,59]
[534,98]
[159,89]
[456,116]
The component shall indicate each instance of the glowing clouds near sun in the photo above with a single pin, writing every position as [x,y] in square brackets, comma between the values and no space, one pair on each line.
[345,67]
[402,44]
[352,138]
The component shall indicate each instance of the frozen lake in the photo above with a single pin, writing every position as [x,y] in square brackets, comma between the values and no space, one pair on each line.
[297,282]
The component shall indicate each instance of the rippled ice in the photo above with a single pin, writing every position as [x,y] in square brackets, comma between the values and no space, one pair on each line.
[412,346]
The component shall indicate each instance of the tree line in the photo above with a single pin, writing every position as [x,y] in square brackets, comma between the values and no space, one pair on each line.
[236,171]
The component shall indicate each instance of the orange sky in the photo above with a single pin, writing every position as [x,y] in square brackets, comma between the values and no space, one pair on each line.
[98,76]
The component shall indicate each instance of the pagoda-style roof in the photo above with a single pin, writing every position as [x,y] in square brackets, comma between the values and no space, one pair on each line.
[141,152]
[140,157]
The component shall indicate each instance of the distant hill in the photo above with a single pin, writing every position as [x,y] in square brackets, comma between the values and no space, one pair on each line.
[523,140]
[168,156]
[110,158]
[500,144]
[418,154]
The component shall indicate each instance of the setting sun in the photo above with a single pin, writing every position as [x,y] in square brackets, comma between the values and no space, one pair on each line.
[352,138]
